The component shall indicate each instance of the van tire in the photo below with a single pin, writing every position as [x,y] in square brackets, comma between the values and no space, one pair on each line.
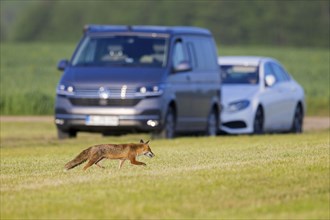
[168,129]
[212,124]
[65,134]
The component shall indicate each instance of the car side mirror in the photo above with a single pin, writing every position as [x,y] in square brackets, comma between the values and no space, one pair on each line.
[270,80]
[62,64]
[183,66]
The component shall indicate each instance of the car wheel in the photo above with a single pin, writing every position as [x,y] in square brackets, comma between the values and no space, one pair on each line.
[297,123]
[168,129]
[212,124]
[65,134]
[258,124]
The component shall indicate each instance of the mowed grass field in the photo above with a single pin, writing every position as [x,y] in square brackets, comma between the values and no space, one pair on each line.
[282,176]
[29,76]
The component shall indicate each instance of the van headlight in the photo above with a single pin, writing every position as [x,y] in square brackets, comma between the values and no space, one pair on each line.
[65,89]
[156,90]
[238,106]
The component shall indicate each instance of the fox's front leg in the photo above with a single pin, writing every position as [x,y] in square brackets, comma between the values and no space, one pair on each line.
[135,162]
[121,162]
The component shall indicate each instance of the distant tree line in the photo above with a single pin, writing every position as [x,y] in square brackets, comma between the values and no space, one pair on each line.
[241,22]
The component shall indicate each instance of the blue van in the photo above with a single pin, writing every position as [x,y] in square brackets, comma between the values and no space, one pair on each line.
[120,79]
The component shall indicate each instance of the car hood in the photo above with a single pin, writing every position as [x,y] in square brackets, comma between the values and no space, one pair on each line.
[87,77]
[232,93]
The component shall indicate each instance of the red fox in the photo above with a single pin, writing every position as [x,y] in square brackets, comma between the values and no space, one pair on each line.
[121,152]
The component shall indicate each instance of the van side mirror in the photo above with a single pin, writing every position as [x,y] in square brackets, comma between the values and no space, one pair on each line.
[183,66]
[270,80]
[62,64]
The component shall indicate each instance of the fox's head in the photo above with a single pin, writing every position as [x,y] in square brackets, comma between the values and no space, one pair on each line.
[146,149]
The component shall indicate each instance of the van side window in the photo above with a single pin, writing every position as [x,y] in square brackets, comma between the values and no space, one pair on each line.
[210,54]
[205,53]
[192,54]
[178,53]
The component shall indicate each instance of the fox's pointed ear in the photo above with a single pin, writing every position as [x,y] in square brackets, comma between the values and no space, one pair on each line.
[141,141]
[147,142]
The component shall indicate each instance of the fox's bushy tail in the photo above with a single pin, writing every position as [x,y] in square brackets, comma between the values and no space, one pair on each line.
[82,157]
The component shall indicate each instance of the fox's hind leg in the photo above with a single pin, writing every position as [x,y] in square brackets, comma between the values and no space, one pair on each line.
[97,163]
[94,160]
[90,163]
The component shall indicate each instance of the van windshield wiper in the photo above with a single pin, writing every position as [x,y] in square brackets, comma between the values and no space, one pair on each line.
[85,64]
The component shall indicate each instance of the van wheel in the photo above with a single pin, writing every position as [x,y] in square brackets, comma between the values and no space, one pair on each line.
[168,130]
[65,134]
[297,123]
[212,124]
[258,124]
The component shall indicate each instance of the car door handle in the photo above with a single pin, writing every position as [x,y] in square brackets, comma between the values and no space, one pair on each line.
[188,78]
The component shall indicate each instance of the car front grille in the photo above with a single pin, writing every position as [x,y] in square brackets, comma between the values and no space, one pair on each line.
[235,124]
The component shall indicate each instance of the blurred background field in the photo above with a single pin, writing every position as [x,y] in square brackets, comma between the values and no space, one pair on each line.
[299,23]
[29,76]
[36,34]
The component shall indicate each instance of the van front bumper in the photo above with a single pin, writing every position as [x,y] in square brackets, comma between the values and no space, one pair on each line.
[145,115]
[127,123]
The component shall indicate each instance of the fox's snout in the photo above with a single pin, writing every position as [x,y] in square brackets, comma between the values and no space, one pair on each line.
[149,154]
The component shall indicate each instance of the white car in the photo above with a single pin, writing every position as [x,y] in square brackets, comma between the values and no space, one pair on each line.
[258,95]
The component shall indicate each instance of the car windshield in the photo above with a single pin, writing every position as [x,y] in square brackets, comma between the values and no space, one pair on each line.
[239,74]
[121,50]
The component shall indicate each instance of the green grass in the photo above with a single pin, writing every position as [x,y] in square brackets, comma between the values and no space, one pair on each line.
[29,75]
[241,177]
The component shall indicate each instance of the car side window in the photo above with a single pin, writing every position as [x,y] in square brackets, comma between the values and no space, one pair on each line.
[280,73]
[178,53]
[269,70]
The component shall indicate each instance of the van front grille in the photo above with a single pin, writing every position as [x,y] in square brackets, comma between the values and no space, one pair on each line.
[104,102]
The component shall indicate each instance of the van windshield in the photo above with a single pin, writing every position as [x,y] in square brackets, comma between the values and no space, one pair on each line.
[122,50]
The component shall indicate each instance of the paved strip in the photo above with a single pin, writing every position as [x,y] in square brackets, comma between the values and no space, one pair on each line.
[310,123]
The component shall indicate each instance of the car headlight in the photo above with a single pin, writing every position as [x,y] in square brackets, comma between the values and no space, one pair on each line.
[65,90]
[238,106]
[156,90]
